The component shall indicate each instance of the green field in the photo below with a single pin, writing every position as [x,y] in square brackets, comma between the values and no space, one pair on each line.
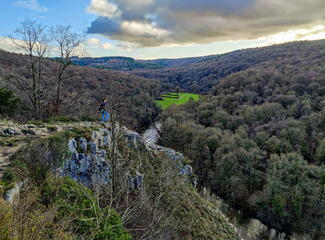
[170,99]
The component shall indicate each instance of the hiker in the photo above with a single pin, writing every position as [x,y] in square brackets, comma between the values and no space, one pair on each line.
[102,109]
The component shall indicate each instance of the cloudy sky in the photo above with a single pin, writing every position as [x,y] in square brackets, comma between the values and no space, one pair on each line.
[171,28]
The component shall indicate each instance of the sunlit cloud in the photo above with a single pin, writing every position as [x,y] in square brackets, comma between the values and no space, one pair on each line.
[107,46]
[103,8]
[93,41]
[314,33]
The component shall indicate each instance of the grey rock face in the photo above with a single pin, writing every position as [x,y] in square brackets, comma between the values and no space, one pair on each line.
[132,137]
[186,170]
[88,169]
[72,144]
[83,144]
[90,165]
[107,139]
[93,147]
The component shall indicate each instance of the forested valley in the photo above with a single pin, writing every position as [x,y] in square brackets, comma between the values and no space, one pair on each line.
[202,75]
[256,137]
[259,140]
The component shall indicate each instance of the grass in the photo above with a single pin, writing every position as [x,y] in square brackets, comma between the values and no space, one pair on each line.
[171,99]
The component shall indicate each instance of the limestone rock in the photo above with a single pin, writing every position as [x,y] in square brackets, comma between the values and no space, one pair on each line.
[28,132]
[10,195]
[10,131]
[72,144]
[83,144]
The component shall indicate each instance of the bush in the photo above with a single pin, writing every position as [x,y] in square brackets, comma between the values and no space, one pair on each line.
[78,204]
[9,103]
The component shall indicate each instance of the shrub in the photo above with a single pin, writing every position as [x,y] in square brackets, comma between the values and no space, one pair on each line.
[78,204]
[9,103]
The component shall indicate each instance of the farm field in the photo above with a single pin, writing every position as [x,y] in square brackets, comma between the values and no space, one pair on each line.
[170,99]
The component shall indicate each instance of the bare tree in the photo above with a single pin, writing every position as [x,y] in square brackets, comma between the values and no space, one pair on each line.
[66,43]
[32,39]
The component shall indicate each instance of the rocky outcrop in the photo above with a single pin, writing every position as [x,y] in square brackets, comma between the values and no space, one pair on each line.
[90,165]
[88,162]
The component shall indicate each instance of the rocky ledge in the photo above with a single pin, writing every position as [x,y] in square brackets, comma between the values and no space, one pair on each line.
[90,165]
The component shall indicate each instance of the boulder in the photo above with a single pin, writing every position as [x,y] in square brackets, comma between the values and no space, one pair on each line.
[10,131]
[132,137]
[28,132]
[186,170]
[10,195]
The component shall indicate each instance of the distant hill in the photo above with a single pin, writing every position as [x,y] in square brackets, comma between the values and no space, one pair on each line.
[84,90]
[129,64]
[202,74]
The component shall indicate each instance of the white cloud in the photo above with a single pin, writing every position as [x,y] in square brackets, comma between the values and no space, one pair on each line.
[32,5]
[93,41]
[6,43]
[103,8]
[143,29]
[107,46]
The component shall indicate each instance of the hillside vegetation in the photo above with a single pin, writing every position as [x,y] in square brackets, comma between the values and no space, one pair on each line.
[259,142]
[162,204]
[202,75]
[128,64]
[131,96]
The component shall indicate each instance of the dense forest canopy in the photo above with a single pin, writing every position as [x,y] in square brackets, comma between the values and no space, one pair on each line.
[259,141]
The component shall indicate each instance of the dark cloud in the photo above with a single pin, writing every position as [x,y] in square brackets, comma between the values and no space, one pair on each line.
[158,22]
[105,26]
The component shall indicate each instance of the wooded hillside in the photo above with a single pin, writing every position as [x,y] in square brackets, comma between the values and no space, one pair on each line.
[84,87]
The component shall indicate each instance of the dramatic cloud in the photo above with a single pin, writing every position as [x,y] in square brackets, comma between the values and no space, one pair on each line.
[165,22]
[32,5]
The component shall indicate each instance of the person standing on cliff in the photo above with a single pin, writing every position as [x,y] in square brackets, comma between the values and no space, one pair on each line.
[103,111]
